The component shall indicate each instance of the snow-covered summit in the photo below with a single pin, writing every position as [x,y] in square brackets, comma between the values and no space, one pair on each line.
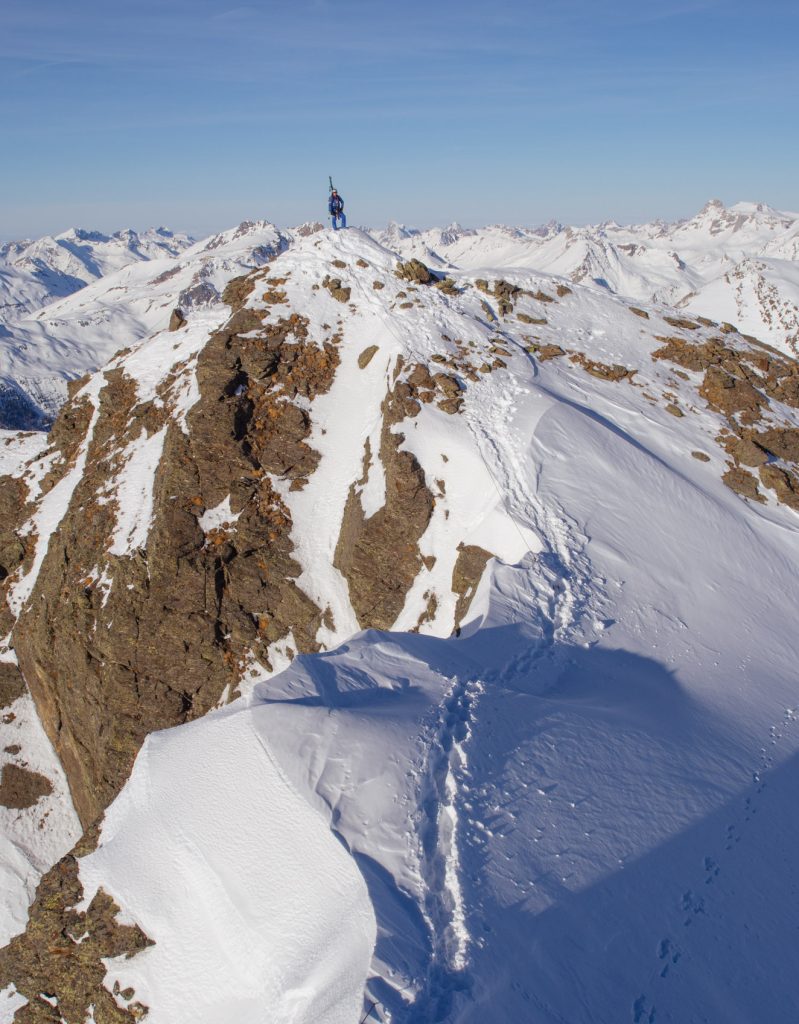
[536,547]
[737,264]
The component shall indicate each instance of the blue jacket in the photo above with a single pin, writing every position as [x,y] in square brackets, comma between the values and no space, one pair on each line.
[336,204]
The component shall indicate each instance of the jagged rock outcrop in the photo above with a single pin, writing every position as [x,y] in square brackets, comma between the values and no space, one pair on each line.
[743,383]
[12,685]
[415,271]
[379,556]
[466,574]
[115,646]
[57,964]
[177,319]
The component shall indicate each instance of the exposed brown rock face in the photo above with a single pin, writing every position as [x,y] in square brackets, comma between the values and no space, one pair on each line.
[449,386]
[379,556]
[366,356]
[682,323]
[729,394]
[177,320]
[447,286]
[60,956]
[742,384]
[13,497]
[745,451]
[545,352]
[603,371]
[165,641]
[12,685]
[775,375]
[784,443]
[17,548]
[337,289]
[466,574]
[20,787]
[505,293]
[783,483]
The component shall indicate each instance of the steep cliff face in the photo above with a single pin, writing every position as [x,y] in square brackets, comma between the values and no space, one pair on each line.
[141,618]
[324,450]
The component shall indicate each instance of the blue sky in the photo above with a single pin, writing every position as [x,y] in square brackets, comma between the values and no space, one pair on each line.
[201,114]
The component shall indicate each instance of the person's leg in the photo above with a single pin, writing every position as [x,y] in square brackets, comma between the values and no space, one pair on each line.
[343,219]
[334,221]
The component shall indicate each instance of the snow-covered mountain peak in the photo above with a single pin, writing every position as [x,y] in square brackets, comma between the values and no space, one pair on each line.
[67,337]
[480,506]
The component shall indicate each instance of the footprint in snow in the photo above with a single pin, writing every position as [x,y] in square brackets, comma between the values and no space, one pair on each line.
[643,1014]
[692,905]
[669,953]
[711,870]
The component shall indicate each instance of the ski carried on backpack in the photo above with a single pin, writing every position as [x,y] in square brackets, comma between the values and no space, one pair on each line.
[335,206]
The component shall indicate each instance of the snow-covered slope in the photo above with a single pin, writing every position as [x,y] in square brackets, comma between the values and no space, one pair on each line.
[558,786]
[736,264]
[41,353]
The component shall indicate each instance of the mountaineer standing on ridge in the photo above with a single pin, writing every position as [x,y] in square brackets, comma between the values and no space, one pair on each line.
[336,207]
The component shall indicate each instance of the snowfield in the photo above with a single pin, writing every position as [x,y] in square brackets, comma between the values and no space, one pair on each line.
[576,808]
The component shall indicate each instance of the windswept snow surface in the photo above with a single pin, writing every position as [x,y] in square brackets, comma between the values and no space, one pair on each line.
[581,809]
[272,919]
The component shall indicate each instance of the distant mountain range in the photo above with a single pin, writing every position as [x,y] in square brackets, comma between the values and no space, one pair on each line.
[737,264]
[33,273]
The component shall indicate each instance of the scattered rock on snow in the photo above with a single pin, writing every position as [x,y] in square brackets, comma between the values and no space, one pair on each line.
[177,320]
[21,788]
[366,356]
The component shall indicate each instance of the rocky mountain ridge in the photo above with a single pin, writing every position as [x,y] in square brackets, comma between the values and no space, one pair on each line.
[737,264]
[40,354]
[341,440]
